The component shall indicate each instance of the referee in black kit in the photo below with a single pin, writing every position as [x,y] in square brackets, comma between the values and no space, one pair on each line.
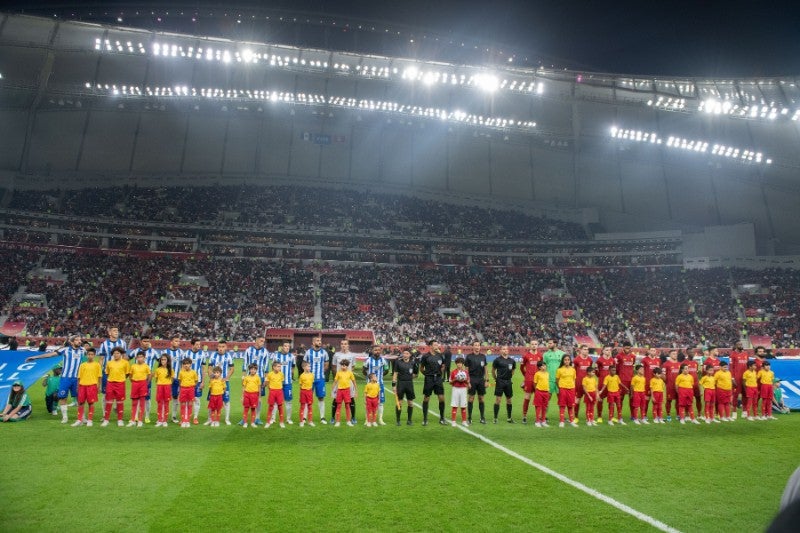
[405,371]
[432,365]
[502,371]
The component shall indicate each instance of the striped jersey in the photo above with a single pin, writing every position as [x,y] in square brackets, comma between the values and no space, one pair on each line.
[254,355]
[107,346]
[151,356]
[317,360]
[264,363]
[376,366]
[72,358]
[287,362]
[198,360]
[222,360]
[175,358]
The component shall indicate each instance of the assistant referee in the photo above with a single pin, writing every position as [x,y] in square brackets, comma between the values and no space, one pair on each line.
[405,371]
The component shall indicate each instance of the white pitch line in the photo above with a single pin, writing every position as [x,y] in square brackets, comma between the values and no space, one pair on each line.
[571,482]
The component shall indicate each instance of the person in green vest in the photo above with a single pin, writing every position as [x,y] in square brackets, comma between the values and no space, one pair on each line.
[50,384]
[552,357]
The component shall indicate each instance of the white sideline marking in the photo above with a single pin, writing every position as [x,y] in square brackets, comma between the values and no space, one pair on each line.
[580,486]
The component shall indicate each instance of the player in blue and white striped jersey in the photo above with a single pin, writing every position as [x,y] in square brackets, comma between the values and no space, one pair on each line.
[175,354]
[378,365]
[113,341]
[260,356]
[72,355]
[198,357]
[318,358]
[286,359]
[223,359]
[151,356]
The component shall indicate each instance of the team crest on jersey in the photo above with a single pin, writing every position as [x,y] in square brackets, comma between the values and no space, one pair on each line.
[410,370]
[481,363]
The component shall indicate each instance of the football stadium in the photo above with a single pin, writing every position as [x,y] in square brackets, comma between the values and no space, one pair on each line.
[276,270]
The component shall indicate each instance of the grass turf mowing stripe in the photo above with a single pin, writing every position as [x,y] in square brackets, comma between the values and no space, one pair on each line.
[576,484]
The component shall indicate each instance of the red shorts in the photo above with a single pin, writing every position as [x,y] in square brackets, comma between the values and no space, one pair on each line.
[343,395]
[685,397]
[527,386]
[766,391]
[590,398]
[186,394]
[215,402]
[710,396]
[138,389]
[613,397]
[306,396]
[541,398]
[724,396]
[640,400]
[751,392]
[115,390]
[566,397]
[163,393]
[250,400]
[372,403]
[658,398]
[87,394]
[275,396]
[672,392]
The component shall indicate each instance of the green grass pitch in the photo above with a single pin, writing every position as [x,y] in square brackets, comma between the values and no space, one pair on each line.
[724,477]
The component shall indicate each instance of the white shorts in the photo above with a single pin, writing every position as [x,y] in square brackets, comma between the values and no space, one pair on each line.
[459,397]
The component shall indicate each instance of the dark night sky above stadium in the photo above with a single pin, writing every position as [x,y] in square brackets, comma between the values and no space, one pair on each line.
[698,38]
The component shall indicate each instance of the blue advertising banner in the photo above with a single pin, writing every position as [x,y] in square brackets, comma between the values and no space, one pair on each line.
[788,371]
[14,368]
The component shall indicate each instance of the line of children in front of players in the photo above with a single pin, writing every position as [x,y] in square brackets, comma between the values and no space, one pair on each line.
[180,379]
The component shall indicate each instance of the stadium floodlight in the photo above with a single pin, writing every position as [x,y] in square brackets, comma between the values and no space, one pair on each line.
[487,82]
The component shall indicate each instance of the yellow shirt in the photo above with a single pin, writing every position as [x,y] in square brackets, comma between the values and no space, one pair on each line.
[275,380]
[684,381]
[251,383]
[371,390]
[344,378]
[216,387]
[750,378]
[638,383]
[118,370]
[656,385]
[162,376]
[708,382]
[188,378]
[89,373]
[541,380]
[139,372]
[565,377]
[306,381]
[611,383]
[722,378]
[589,383]
[765,377]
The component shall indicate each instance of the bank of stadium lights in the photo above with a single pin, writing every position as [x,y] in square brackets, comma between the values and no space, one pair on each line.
[315,99]
[668,103]
[690,145]
[712,106]
[119,46]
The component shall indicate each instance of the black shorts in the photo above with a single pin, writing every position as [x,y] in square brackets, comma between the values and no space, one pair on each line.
[503,387]
[433,384]
[477,386]
[405,390]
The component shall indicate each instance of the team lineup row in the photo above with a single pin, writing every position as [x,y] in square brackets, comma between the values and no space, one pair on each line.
[181,378]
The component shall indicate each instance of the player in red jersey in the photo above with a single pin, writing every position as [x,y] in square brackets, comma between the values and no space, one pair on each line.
[626,360]
[738,358]
[649,362]
[528,368]
[603,363]
[760,353]
[581,363]
[671,368]
[693,365]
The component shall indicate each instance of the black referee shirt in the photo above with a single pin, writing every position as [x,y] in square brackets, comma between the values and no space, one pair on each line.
[476,364]
[405,370]
[505,367]
[432,365]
